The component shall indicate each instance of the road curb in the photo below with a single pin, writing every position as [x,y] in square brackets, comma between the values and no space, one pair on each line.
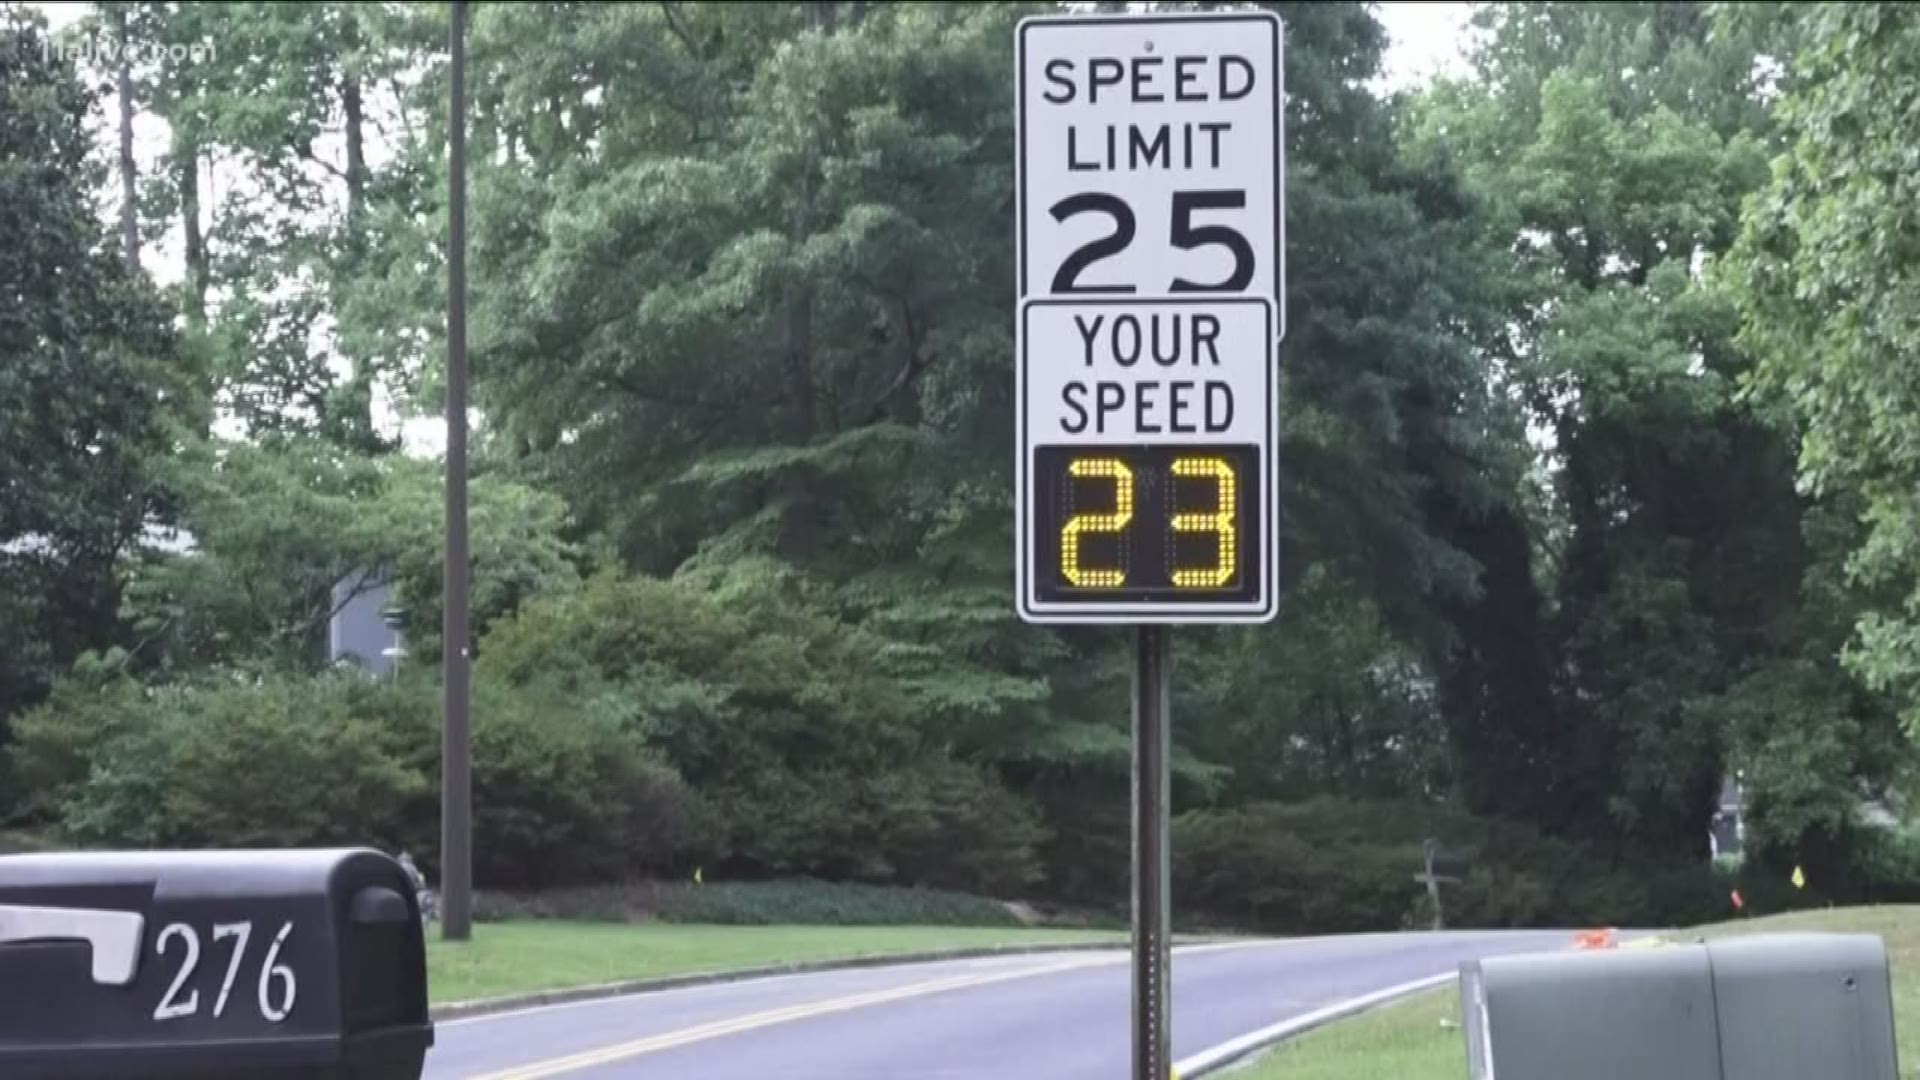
[1226,1055]
[466,1010]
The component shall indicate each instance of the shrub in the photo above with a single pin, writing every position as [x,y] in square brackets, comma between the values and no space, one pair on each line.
[1234,865]
[1887,866]
[1496,896]
[54,743]
[812,761]
[271,763]
[819,903]
[567,791]
[566,788]
[13,843]
[1330,866]
[799,902]
[1859,863]
[950,826]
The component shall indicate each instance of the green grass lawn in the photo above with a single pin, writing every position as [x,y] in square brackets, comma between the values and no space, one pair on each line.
[14,842]
[1416,1040]
[1421,1039]
[514,957]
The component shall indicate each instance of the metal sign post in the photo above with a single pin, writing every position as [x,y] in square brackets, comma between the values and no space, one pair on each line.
[1152,899]
[1151,211]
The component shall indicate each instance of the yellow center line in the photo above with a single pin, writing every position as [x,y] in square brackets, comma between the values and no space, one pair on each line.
[540,1070]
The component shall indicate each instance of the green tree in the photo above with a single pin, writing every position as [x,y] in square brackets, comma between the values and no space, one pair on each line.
[283,104]
[1828,281]
[1327,701]
[811,758]
[567,787]
[90,388]
[742,328]
[1611,146]
[286,532]
[741,293]
[735,296]
[1393,436]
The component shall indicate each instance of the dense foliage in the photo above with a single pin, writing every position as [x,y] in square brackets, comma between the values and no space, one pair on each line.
[1692,622]
[337,759]
[802,902]
[1336,866]
[811,759]
[1598,420]
[1828,277]
[90,382]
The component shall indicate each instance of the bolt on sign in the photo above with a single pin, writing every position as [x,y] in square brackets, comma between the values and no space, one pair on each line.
[1150,240]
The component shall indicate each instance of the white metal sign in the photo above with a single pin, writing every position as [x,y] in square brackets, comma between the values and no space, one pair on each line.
[1151,213]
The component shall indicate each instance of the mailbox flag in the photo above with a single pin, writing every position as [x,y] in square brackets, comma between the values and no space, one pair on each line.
[1739,902]
[1799,878]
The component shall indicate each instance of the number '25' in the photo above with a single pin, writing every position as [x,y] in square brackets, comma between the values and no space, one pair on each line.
[1186,236]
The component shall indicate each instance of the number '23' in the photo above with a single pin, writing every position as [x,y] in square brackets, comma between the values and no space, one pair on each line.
[1186,236]
[1218,521]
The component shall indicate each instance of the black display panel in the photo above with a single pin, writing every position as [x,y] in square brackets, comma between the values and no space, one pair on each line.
[1160,525]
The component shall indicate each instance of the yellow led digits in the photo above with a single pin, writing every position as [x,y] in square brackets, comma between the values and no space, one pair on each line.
[1220,523]
[1097,523]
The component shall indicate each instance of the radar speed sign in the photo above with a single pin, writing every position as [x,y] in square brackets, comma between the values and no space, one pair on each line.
[1150,277]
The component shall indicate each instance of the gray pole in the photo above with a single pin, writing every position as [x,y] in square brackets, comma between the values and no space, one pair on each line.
[1433,885]
[1152,950]
[456,787]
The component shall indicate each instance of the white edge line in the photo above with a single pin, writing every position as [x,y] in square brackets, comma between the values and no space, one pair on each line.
[1226,1053]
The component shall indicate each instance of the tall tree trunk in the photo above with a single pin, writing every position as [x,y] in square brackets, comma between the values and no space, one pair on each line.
[355,246]
[800,295]
[800,385]
[799,331]
[129,178]
[356,156]
[186,162]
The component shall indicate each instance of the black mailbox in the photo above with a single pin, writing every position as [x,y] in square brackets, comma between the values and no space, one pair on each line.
[264,965]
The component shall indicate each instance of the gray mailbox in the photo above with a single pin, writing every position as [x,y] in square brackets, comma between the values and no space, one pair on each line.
[1787,1007]
[268,965]
[1805,1005]
[1635,1015]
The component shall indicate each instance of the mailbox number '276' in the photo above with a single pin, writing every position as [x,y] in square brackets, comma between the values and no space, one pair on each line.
[277,987]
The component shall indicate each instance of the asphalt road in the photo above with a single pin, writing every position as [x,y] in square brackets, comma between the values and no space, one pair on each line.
[1056,1017]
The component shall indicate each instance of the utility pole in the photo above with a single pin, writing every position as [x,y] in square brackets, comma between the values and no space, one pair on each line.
[456,782]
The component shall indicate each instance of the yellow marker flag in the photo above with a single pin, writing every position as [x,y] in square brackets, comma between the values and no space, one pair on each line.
[699,876]
[1799,878]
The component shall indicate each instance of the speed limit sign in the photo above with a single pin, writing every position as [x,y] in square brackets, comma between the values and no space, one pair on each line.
[1150,274]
